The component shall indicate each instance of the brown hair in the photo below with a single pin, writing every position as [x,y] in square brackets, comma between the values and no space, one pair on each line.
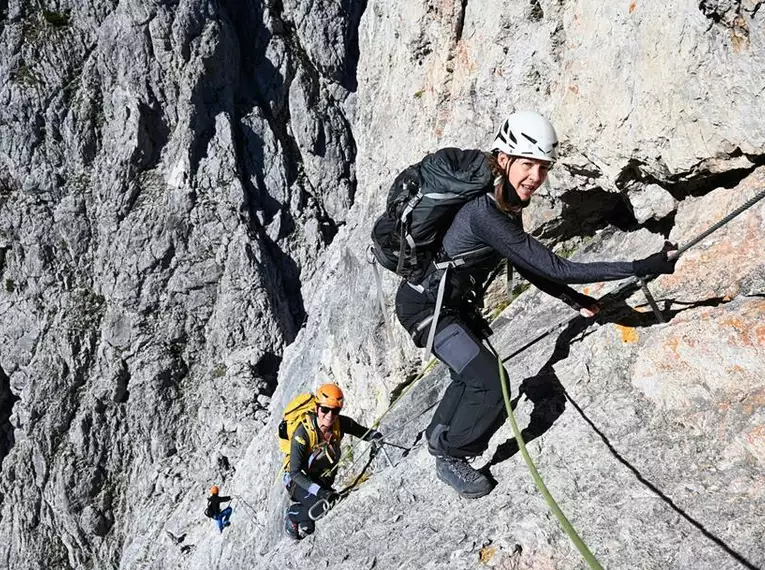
[499,185]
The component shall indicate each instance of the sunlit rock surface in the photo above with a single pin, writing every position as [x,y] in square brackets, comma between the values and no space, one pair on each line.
[186,194]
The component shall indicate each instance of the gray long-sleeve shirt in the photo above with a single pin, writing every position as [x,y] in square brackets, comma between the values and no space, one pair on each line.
[480,223]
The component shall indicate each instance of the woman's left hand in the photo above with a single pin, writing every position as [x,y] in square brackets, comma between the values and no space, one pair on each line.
[590,311]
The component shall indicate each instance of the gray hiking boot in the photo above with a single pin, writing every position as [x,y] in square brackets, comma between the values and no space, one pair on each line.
[458,474]
[291,529]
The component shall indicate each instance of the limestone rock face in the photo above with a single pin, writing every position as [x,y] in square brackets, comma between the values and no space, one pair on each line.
[651,202]
[157,209]
[186,194]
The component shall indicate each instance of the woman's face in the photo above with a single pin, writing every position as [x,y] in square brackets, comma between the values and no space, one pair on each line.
[326,416]
[525,174]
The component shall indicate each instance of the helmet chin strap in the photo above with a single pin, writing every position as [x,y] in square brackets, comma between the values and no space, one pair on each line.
[511,195]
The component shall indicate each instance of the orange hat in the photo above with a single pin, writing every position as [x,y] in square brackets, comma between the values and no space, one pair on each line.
[329,395]
[214,490]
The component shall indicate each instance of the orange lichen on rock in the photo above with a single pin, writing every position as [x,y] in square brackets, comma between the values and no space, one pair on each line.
[629,334]
[633,5]
[741,329]
[754,402]
[672,344]
[760,334]
[486,554]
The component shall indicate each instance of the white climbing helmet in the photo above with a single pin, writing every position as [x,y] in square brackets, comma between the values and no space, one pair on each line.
[527,134]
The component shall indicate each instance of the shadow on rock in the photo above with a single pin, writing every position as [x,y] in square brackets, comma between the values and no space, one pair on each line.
[547,394]
[743,561]
[549,398]
[545,390]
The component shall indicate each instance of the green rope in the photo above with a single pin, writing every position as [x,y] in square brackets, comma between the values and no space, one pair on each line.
[567,527]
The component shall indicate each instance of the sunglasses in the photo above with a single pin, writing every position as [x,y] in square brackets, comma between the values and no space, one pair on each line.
[326,410]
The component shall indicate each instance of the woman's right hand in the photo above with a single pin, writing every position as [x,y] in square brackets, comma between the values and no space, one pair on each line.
[589,312]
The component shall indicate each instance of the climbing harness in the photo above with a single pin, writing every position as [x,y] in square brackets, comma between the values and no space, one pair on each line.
[325,505]
[445,266]
[329,505]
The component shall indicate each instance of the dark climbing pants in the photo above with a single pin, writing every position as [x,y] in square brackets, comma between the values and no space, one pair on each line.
[472,408]
[299,511]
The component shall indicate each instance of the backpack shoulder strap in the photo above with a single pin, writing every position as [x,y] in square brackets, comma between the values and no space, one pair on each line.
[311,430]
[336,431]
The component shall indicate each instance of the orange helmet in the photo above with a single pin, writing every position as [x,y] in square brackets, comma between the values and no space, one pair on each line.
[329,395]
[214,490]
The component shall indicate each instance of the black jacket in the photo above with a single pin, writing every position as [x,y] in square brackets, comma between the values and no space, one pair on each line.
[213,505]
[311,469]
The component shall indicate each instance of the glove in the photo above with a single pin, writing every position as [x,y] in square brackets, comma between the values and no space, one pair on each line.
[328,495]
[374,436]
[655,264]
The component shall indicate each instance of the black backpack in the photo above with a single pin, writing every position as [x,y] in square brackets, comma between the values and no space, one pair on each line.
[421,205]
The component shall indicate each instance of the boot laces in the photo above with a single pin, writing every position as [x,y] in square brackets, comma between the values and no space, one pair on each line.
[460,467]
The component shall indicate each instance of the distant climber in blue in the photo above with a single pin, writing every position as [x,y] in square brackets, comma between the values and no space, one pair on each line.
[213,508]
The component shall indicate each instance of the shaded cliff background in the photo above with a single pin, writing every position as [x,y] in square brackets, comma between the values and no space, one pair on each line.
[186,191]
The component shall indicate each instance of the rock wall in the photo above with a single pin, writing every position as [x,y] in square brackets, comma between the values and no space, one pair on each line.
[186,191]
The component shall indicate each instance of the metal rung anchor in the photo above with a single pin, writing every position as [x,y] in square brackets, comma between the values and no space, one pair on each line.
[387,457]
[651,300]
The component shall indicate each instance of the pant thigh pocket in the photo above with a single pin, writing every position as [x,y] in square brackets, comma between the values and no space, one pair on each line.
[455,347]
